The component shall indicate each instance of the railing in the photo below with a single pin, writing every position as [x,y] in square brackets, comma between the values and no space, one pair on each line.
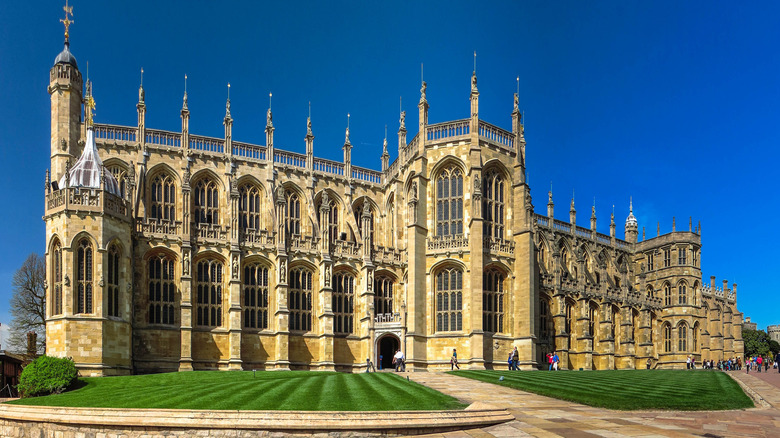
[345,248]
[155,226]
[496,134]
[85,199]
[409,150]
[328,166]
[207,144]
[386,255]
[493,244]
[387,317]
[250,151]
[542,221]
[368,175]
[441,131]
[603,238]
[451,242]
[561,226]
[211,231]
[303,243]
[115,133]
[163,138]
[290,159]
[251,236]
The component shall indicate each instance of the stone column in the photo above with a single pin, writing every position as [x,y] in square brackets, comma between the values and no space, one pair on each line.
[282,312]
[327,359]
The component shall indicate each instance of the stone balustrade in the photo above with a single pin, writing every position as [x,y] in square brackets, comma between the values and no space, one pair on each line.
[83,199]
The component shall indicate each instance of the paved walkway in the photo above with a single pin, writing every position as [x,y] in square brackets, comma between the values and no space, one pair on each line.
[540,416]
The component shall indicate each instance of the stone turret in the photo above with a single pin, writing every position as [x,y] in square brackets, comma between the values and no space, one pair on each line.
[632,226]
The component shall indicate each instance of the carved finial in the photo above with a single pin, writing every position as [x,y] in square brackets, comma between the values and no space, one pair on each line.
[422,91]
[141,93]
[67,21]
[89,105]
[308,126]
[403,120]
[474,75]
[346,135]
[227,104]
[268,116]
[184,102]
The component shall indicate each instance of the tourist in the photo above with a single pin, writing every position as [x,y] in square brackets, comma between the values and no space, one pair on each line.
[380,362]
[454,360]
[369,365]
[648,363]
[777,359]
[556,359]
[515,359]
[509,361]
[549,361]
[759,362]
[398,361]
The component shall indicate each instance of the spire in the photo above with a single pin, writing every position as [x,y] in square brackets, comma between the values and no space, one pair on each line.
[572,211]
[550,205]
[89,103]
[612,222]
[269,117]
[141,94]
[631,220]
[184,101]
[227,104]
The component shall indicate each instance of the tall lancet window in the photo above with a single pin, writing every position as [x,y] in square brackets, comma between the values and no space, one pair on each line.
[163,198]
[343,302]
[383,295]
[249,207]
[206,202]
[493,205]
[56,279]
[84,277]
[449,202]
[359,220]
[493,301]
[299,302]
[449,300]
[209,293]
[114,257]
[255,296]
[293,222]
[119,173]
[162,289]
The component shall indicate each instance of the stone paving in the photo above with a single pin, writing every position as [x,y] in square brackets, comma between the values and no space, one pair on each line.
[540,416]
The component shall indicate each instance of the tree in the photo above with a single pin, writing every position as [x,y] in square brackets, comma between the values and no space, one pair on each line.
[756,342]
[28,304]
[774,347]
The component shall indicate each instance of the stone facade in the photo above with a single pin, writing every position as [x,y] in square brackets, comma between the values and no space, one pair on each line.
[219,254]
[774,332]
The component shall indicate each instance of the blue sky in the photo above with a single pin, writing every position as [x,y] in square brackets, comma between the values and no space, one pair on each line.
[673,104]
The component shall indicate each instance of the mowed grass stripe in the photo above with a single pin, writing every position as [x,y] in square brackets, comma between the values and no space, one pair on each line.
[627,389]
[236,390]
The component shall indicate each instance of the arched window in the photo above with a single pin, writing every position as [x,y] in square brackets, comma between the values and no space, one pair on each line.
[449,300]
[209,287]
[567,322]
[493,301]
[84,277]
[343,302]
[113,280]
[695,294]
[667,294]
[493,205]
[255,287]
[383,295]
[162,289]
[449,203]
[634,324]
[682,338]
[391,224]
[359,219]
[300,299]
[545,320]
[682,293]
[56,278]
[293,213]
[119,173]
[614,324]
[206,202]
[163,198]
[542,255]
[249,207]
[332,220]
[667,331]
[593,310]
[695,337]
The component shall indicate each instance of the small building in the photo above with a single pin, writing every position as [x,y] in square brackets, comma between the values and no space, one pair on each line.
[747,325]
[10,370]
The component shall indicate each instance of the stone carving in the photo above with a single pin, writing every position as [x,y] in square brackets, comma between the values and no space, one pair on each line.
[327,275]
[370,285]
[477,184]
[366,208]
[282,271]
[235,267]
[268,118]
[517,103]
[102,282]
[414,190]
[474,82]
[186,263]
[308,125]
[403,120]
[63,144]
[186,176]
[67,280]
[141,94]
[422,91]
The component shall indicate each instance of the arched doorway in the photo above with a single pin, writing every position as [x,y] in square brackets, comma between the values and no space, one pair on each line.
[387,346]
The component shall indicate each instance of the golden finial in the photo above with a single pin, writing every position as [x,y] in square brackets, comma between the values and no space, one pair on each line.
[89,105]
[67,21]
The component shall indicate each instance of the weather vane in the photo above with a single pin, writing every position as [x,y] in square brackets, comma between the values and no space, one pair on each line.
[67,21]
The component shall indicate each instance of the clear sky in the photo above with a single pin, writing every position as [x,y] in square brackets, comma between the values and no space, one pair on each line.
[674,103]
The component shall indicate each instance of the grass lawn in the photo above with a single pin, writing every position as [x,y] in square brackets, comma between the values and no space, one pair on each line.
[627,389]
[240,390]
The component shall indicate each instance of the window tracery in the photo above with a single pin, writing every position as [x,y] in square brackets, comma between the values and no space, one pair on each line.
[493,204]
[449,202]
[206,202]
[209,289]
[293,212]
[343,302]
[255,286]
[300,299]
[493,301]
[449,300]
[162,289]
[84,277]
[383,295]
[249,207]
[163,198]
[113,280]
[56,276]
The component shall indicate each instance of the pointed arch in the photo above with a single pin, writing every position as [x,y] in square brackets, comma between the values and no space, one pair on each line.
[119,169]
[682,292]
[56,274]
[162,193]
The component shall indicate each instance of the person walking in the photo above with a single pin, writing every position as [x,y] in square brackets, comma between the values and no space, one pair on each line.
[398,361]
[777,361]
[515,359]
[556,359]
[549,361]
[759,363]
[454,360]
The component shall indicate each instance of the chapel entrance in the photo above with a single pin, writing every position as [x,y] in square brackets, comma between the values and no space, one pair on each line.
[388,345]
